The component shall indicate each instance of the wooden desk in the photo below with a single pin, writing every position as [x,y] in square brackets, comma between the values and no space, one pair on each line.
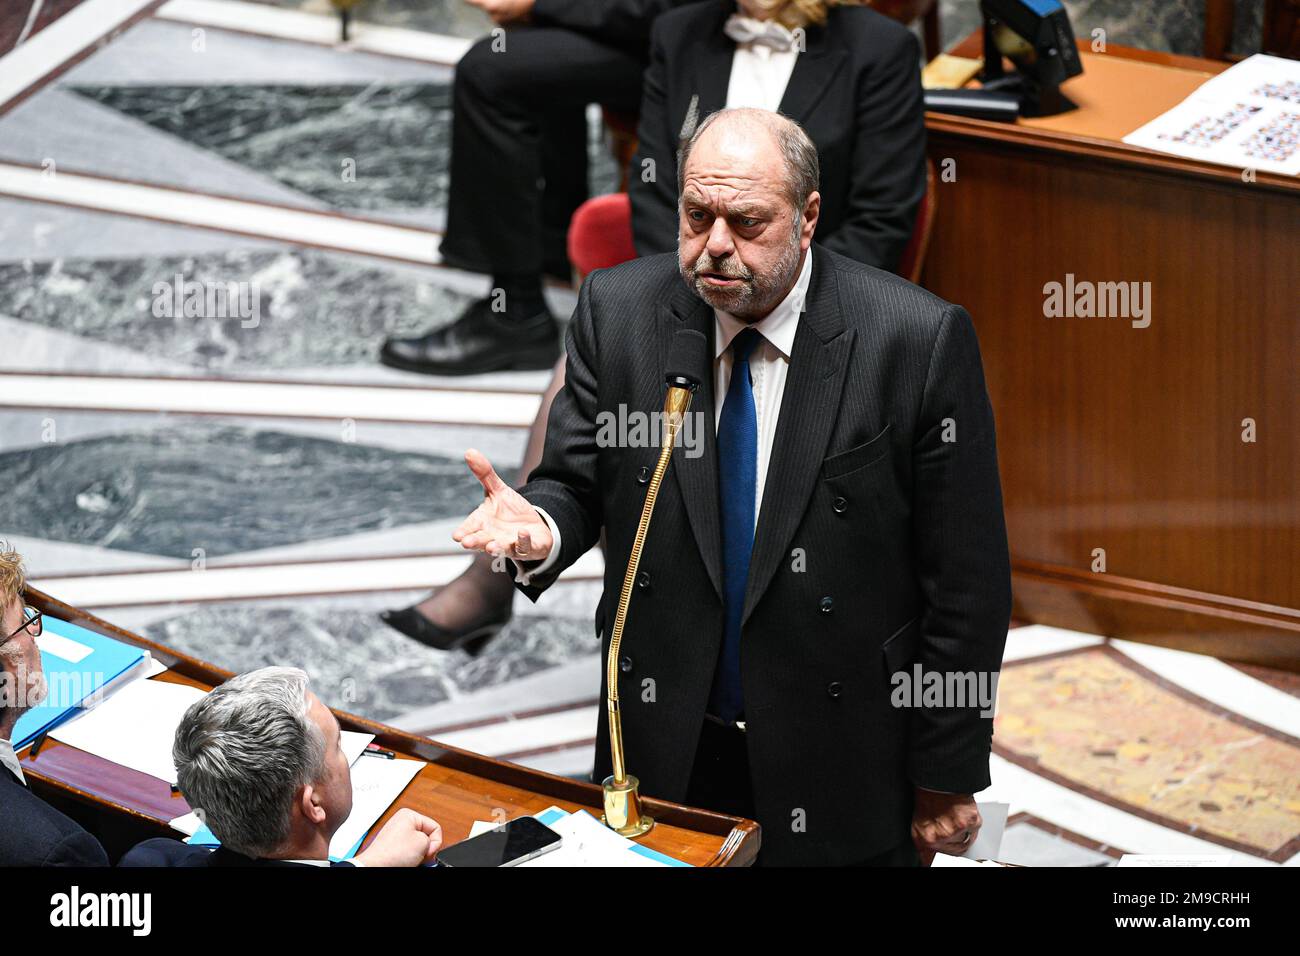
[1126,439]
[456,788]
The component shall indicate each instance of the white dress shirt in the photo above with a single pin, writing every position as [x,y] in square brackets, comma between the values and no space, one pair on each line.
[760,74]
[768,365]
[10,760]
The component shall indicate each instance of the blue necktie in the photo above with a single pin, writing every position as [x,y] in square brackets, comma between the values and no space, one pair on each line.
[737,478]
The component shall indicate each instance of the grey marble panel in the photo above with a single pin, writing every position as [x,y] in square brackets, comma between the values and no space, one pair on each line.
[358,663]
[303,307]
[26,428]
[375,147]
[222,488]
[380,148]
[60,130]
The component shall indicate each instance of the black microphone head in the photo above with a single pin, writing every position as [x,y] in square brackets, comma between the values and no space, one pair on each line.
[688,359]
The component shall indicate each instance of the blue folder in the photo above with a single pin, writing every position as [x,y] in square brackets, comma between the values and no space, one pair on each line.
[71,683]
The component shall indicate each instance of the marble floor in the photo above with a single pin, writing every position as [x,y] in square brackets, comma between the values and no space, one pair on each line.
[255,438]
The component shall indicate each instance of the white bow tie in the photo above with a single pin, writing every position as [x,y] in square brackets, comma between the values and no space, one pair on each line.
[769,33]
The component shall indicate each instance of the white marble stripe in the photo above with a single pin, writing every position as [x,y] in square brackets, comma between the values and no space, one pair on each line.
[280,399]
[216,583]
[45,52]
[300,226]
[1219,683]
[1027,792]
[316,28]
[1037,640]
[528,733]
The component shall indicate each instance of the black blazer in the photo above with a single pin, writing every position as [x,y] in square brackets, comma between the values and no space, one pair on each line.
[162,851]
[33,833]
[856,90]
[879,544]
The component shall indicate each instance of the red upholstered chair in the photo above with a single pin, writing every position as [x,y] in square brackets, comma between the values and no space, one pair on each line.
[600,233]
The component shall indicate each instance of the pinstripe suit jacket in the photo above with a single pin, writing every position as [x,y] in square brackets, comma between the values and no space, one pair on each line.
[880,544]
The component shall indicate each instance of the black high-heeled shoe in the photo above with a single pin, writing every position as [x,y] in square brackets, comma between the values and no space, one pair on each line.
[471,640]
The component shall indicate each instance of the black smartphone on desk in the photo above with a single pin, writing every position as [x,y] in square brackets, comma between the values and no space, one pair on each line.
[510,844]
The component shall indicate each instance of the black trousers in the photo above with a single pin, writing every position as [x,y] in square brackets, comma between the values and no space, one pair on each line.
[519,144]
[720,782]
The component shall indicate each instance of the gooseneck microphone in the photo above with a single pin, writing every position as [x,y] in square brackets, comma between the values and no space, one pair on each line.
[688,364]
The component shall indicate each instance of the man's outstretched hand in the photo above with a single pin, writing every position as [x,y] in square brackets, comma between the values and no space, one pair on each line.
[505,524]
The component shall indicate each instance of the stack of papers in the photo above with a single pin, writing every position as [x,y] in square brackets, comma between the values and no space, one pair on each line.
[80,667]
[587,842]
[134,726]
[1247,116]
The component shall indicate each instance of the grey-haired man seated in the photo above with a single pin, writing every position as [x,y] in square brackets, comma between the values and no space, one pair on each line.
[260,759]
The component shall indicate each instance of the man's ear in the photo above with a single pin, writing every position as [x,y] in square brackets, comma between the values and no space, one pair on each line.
[310,805]
[812,210]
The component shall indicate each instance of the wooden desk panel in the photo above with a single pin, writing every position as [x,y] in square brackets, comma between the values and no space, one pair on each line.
[456,788]
[1123,438]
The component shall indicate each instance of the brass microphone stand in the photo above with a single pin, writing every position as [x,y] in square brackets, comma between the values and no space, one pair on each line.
[622,800]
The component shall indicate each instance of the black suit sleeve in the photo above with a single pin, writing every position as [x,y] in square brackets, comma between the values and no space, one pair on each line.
[654,202]
[565,482]
[888,171]
[624,23]
[960,542]
[78,848]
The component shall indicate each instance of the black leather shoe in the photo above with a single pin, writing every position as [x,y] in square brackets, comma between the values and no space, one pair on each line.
[479,341]
[472,640]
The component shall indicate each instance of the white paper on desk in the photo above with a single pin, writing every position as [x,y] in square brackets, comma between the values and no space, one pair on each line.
[1248,117]
[188,824]
[134,726]
[154,667]
[354,744]
[376,783]
[988,845]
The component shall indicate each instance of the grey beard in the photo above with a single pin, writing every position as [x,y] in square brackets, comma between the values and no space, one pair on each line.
[758,296]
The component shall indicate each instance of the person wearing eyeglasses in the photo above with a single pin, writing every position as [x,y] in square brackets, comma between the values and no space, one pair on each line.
[32,833]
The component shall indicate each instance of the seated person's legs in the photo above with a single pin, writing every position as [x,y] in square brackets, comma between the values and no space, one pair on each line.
[508,106]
